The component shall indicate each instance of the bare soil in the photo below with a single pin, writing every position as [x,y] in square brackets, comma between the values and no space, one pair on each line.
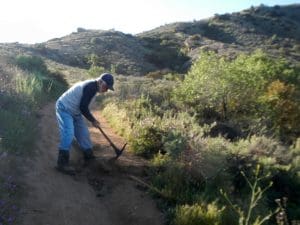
[101,193]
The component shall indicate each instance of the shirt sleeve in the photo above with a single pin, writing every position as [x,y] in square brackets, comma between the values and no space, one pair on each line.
[89,91]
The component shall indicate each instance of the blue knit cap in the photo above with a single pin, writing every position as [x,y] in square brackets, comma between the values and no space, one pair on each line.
[109,80]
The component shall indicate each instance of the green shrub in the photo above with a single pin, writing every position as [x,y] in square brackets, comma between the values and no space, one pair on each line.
[94,60]
[156,91]
[223,85]
[187,167]
[146,141]
[177,183]
[165,54]
[283,106]
[160,161]
[35,88]
[96,71]
[235,89]
[31,63]
[198,214]
[174,143]
[213,155]
[173,77]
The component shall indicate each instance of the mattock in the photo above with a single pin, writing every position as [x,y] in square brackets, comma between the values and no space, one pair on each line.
[117,150]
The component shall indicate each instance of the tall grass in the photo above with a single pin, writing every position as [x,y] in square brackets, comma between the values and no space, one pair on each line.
[30,87]
[198,214]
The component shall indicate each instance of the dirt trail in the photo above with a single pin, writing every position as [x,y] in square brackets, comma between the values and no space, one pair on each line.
[101,194]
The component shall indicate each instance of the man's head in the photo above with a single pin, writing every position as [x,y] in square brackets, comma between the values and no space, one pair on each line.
[106,82]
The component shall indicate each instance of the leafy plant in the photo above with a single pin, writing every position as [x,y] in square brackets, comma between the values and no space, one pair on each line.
[226,86]
[283,107]
[174,143]
[96,71]
[247,216]
[189,167]
[198,214]
[241,88]
[147,141]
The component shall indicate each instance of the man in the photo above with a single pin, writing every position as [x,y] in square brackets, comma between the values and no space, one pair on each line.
[69,110]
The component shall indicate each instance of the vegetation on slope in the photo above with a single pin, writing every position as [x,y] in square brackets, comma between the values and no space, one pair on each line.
[170,122]
[173,47]
[26,84]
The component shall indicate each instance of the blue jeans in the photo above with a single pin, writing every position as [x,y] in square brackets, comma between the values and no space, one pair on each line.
[70,126]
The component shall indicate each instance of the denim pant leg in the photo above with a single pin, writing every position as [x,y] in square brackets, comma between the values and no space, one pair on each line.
[82,134]
[66,128]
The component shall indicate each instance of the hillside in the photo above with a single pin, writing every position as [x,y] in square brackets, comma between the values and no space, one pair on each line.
[114,49]
[225,135]
[274,29]
[173,46]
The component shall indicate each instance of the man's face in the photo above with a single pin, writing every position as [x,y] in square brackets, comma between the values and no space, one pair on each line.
[103,87]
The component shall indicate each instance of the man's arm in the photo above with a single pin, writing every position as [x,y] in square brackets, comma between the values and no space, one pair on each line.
[89,91]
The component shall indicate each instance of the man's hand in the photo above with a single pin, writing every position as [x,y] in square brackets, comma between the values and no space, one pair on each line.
[96,124]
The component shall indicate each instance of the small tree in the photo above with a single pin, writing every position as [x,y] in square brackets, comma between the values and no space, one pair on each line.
[230,87]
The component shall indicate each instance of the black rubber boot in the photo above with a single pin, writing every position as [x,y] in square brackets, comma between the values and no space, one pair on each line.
[63,163]
[88,155]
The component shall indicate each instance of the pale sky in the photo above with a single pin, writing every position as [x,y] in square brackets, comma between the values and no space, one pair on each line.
[35,21]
